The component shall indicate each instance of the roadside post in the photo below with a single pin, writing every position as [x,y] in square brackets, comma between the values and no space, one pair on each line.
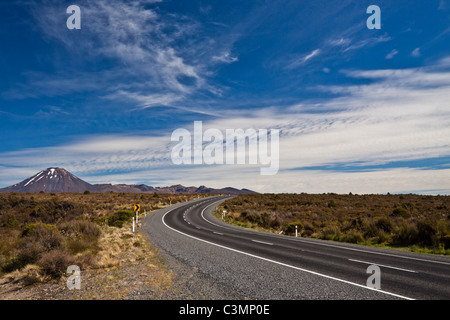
[136,209]
[296,232]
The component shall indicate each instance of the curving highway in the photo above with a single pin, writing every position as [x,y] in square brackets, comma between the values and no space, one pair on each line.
[260,265]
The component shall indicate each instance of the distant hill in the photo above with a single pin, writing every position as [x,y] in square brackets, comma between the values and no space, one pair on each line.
[56,180]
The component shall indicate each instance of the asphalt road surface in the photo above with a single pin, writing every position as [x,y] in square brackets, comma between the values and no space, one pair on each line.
[261,265]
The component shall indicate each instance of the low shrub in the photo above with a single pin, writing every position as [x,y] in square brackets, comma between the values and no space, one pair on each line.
[385,224]
[54,263]
[445,240]
[46,235]
[29,253]
[119,218]
[330,233]
[352,236]
[84,228]
[405,234]
[426,233]
[290,227]
[401,212]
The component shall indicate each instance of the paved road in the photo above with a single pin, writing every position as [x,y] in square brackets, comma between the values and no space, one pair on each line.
[268,266]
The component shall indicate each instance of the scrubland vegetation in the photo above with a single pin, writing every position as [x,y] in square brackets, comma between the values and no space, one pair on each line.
[414,222]
[42,234]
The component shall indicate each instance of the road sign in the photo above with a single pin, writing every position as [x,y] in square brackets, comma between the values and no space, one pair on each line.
[137,207]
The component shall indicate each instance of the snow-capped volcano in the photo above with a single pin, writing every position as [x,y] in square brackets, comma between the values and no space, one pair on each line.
[51,180]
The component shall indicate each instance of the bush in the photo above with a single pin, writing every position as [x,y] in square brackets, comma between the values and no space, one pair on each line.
[405,235]
[29,253]
[330,233]
[290,227]
[352,236]
[384,224]
[401,212]
[54,263]
[446,241]
[83,228]
[426,233]
[382,237]
[370,229]
[119,218]
[11,221]
[45,234]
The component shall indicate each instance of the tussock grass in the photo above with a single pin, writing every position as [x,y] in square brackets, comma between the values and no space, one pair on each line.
[42,234]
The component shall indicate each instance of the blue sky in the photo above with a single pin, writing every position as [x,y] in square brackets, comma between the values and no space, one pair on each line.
[359,110]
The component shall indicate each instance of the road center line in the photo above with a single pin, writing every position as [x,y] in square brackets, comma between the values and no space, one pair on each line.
[381,265]
[268,243]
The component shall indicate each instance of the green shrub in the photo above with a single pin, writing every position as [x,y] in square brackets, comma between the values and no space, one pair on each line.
[445,240]
[290,227]
[382,237]
[370,229]
[45,234]
[352,236]
[426,233]
[405,235]
[330,233]
[119,218]
[11,221]
[401,212]
[384,224]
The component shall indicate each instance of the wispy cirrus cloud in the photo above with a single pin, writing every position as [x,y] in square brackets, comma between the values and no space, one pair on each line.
[145,50]
[299,61]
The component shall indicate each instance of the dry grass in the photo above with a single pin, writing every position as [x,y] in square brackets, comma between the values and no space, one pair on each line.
[42,234]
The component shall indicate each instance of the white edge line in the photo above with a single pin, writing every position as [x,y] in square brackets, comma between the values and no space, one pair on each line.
[381,265]
[280,263]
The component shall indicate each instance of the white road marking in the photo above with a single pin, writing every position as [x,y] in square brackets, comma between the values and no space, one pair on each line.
[268,243]
[381,265]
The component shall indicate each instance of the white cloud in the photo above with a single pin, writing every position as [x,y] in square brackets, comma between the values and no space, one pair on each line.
[367,43]
[416,52]
[225,58]
[297,62]
[392,54]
